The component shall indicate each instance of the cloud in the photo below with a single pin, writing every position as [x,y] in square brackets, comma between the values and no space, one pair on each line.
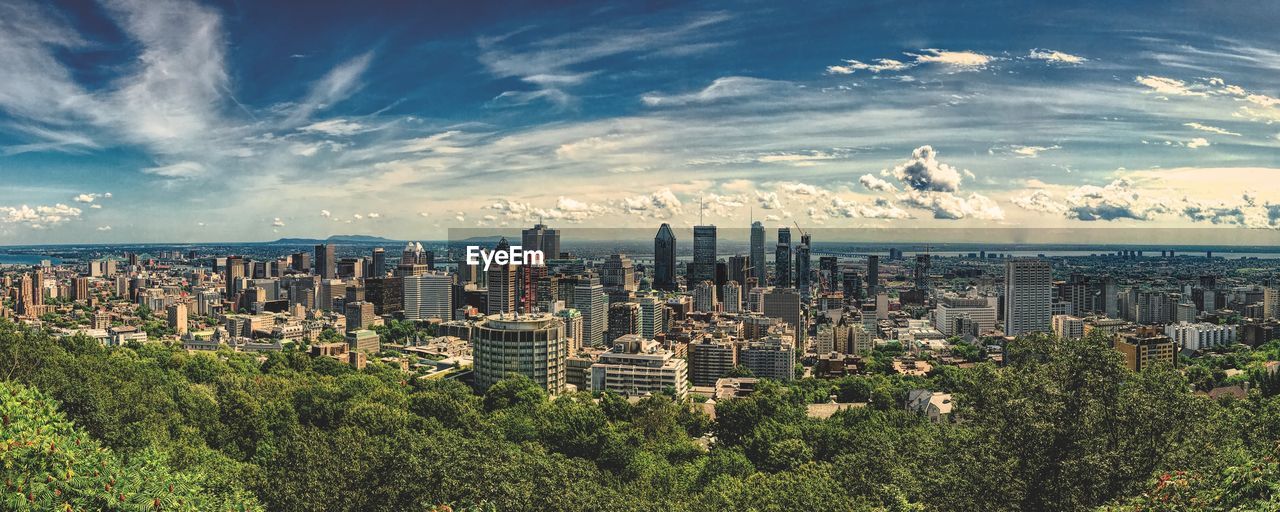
[851,65]
[305,149]
[335,86]
[326,213]
[1056,56]
[1040,201]
[959,60]
[374,215]
[924,172]
[1117,200]
[87,198]
[1197,142]
[277,222]
[662,204]
[104,228]
[424,214]
[769,200]
[1031,151]
[947,205]
[1210,129]
[721,89]
[871,182]
[180,170]
[38,217]
[334,127]
[881,208]
[1168,86]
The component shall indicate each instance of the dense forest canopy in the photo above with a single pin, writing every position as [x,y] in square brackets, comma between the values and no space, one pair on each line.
[1063,426]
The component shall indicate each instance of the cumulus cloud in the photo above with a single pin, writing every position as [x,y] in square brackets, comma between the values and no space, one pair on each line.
[662,204]
[881,208]
[960,60]
[1117,200]
[277,222]
[769,200]
[1246,213]
[1030,151]
[879,65]
[374,215]
[799,189]
[1197,142]
[871,182]
[1056,56]
[1040,201]
[924,172]
[326,213]
[40,216]
[950,206]
[87,198]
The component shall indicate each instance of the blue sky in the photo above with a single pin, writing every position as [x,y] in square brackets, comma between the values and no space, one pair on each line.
[176,120]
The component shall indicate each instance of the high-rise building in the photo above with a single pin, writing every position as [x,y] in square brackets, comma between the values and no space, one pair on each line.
[757,253]
[664,259]
[617,273]
[572,319]
[590,300]
[732,297]
[653,317]
[326,264]
[772,357]
[428,296]
[828,273]
[1145,347]
[541,238]
[178,318]
[531,345]
[234,275]
[782,259]
[922,272]
[624,319]
[501,279]
[359,315]
[378,265]
[978,310]
[803,266]
[1028,296]
[704,297]
[873,275]
[1068,327]
[710,358]
[704,254]
[784,304]
[80,289]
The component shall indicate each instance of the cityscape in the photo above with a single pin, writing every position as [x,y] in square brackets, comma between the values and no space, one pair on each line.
[685,256]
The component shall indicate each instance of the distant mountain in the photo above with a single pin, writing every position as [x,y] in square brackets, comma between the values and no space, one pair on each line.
[337,239]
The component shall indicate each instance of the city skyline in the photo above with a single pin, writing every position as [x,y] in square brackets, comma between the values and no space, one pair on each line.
[182,121]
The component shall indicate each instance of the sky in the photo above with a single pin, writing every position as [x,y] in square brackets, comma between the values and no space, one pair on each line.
[189,121]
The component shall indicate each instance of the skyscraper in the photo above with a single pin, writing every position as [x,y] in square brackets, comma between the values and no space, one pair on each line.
[757,253]
[501,280]
[704,254]
[541,238]
[803,265]
[378,267]
[873,275]
[531,345]
[428,296]
[589,299]
[1028,296]
[624,319]
[922,272]
[326,265]
[664,259]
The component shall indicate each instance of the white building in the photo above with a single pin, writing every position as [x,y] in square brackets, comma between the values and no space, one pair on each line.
[427,296]
[637,367]
[1028,296]
[1068,327]
[1200,336]
[981,310]
[732,297]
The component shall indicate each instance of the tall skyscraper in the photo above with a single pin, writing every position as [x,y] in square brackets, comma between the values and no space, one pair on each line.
[873,275]
[624,319]
[803,266]
[664,259]
[922,272]
[732,297]
[326,265]
[1028,296]
[378,266]
[501,281]
[704,297]
[704,254]
[617,272]
[531,345]
[757,253]
[589,299]
[541,238]
[428,296]
[782,265]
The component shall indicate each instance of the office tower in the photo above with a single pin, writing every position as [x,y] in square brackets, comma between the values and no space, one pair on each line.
[428,296]
[782,258]
[300,261]
[772,357]
[922,272]
[803,265]
[386,294]
[704,297]
[739,269]
[653,317]
[617,273]
[732,297]
[637,367]
[1068,327]
[534,346]
[412,254]
[501,280]
[851,285]
[359,315]
[1028,296]
[546,293]
[178,318]
[624,319]
[873,275]
[1270,303]
[784,304]
[757,253]
[234,274]
[704,254]
[528,277]
[664,259]
[326,265]
[980,311]
[590,300]
[330,289]
[828,274]
[1146,347]
[541,238]
[378,266]
[784,236]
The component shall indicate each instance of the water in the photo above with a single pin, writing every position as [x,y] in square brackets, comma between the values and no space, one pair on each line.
[26,259]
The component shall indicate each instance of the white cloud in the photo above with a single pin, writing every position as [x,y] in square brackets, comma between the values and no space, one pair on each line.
[38,217]
[1031,151]
[1168,86]
[925,173]
[1040,201]
[881,208]
[277,222]
[871,182]
[1210,129]
[960,60]
[334,127]
[721,89]
[1197,142]
[769,200]
[301,149]
[851,65]
[1056,56]
[326,213]
[1116,200]
[104,228]
[424,214]
[180,170]
[947,205]
[662,204]
[374,215]
[86,198]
